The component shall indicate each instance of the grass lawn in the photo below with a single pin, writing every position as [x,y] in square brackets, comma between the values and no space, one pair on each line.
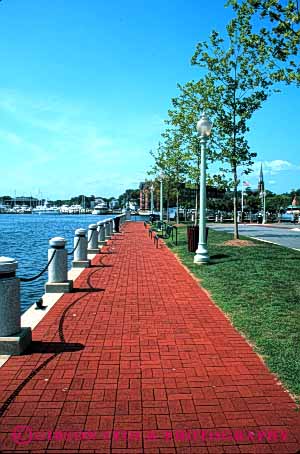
[258,288]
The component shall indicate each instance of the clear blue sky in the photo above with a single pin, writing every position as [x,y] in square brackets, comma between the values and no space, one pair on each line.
[85,87]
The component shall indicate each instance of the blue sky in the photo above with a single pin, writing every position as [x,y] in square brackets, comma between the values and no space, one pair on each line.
[85,87]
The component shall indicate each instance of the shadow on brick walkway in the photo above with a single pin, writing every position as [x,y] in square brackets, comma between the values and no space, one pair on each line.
[140,360]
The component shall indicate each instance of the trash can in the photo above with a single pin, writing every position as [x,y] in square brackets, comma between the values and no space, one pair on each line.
[117,224]
[193,237]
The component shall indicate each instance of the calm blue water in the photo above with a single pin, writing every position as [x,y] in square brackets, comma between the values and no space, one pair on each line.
[26,238]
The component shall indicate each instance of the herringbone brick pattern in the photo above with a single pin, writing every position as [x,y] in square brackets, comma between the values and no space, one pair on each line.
[140,360]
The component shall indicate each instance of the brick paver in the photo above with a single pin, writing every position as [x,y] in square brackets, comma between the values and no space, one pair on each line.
[140,360]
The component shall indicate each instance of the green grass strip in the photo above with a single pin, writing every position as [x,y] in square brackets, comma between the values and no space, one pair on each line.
[258,288]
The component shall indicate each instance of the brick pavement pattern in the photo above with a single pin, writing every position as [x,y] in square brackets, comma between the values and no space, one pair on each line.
[142,361]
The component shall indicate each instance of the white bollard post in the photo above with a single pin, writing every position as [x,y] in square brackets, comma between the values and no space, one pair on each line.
[101,234]
[58,269]
[93,239]
[128,215]
[107,229]
[13,339]
[111,225]
[80,253]
[117,224]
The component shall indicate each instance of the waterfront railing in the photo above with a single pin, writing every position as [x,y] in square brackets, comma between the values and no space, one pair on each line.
[14,339]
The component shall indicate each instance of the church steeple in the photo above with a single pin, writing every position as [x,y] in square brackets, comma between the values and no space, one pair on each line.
[261,183]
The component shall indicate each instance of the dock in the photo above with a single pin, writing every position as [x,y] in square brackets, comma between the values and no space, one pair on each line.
[139,359]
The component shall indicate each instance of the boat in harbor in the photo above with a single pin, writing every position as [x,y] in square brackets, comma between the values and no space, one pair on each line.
[100,208]
[45,209]
[144,212]
[75,209]
[3,208]
[24,209]
[64,209]
[17,209]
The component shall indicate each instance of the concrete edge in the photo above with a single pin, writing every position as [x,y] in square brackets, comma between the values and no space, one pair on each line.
[272,242]
[32,317]
[3,359]
[264,241]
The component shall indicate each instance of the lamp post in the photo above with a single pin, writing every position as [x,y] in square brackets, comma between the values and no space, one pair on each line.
[152,203]
[161,176]
[264,207]
[244,183]
[204,129]
[242,207]
[262,196]
[242,198]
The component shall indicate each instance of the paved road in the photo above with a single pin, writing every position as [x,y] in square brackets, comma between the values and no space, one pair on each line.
[284,236]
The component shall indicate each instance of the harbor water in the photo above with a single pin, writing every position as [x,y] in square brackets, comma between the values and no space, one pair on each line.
[26,238]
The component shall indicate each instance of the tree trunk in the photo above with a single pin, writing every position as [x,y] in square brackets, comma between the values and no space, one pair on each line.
[196,206]
[235,203]
[198,186]
[168,206]
[177,208]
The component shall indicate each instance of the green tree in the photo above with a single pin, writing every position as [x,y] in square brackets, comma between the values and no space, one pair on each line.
[172,161]
[182,118]
[129,195]
[275,35]
[234,86]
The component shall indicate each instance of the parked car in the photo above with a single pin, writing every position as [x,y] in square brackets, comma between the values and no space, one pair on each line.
[287,217]
[172,213]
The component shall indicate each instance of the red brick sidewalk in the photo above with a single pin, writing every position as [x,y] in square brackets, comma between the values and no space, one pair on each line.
[142,351]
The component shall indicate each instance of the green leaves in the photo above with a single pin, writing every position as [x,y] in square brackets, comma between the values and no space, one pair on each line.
[237,73]
[233,85]
[277,40]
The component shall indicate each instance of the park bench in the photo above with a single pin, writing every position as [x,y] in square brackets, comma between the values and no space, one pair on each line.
[156,227]
[167,231]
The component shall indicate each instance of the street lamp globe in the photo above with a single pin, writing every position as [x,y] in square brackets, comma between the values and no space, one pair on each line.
[204,126]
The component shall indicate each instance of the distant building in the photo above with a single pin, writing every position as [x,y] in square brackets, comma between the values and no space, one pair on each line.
[295,201]
[132,205]
[294,208]
[29,201]
[145,195]
[100,201]
[114,203]
[188,194]
[261,183]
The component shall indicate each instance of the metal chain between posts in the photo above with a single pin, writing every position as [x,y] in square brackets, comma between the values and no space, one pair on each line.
[30,279]
[72,252]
